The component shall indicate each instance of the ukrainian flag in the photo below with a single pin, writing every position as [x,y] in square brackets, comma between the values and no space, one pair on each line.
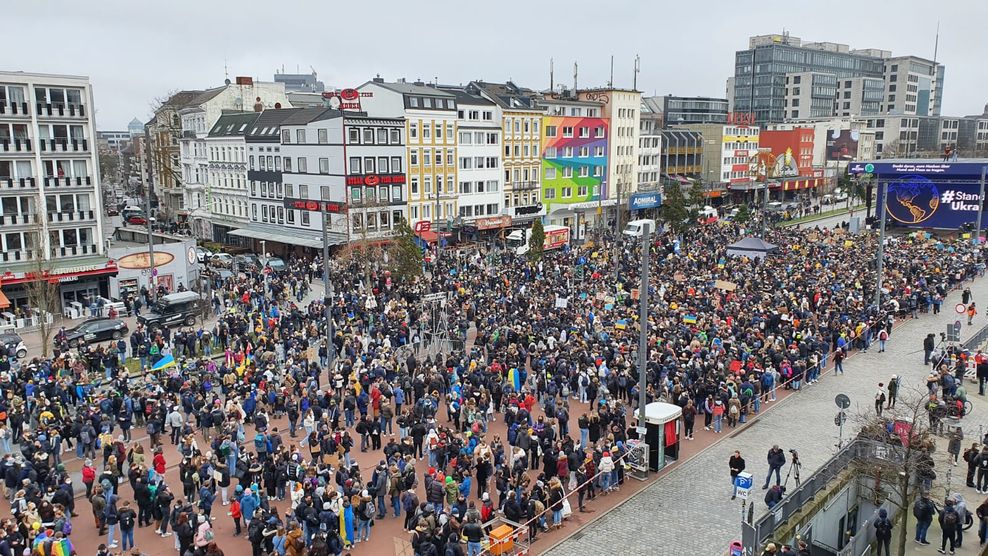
[689,319]
[164,363]
[514,377]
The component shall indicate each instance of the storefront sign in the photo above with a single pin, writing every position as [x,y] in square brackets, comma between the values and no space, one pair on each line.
[376,179]
[741,118]
[492,222]
[346,99]
[640,201]
[142,260]
[332,207]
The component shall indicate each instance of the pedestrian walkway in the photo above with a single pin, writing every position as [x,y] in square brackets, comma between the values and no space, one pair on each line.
[689,511]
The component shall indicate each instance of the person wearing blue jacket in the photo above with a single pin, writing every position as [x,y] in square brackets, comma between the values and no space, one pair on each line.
[248,505]
[206,498]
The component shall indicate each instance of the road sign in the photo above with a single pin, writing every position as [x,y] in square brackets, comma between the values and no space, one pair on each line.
[642,431]
[743,483]
[842,401]
[960,308]
[870,168]
[957,327]
[952,334]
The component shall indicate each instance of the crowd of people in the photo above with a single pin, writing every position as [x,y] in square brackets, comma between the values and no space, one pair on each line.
[527,417]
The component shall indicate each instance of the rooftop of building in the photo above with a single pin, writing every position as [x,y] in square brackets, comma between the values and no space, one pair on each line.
[464,95]
[233,124]
[510,96]
[268,123]
[404,87]
[10,75]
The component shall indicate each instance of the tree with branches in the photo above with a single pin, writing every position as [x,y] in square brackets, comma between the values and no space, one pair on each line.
[42,290]
[536,242]
[407,258]
[906,435]
[674,211]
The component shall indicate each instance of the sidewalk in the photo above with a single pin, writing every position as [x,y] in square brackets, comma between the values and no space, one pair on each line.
[698,516]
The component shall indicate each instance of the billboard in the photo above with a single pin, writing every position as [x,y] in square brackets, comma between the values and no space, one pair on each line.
[842,144]
[927,194]
[640,201]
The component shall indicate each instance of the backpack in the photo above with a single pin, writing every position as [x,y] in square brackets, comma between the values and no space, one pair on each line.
[950,519]
[883,526]
[209,535]
[734,411]
[919,508]
[261,442]
[369,510]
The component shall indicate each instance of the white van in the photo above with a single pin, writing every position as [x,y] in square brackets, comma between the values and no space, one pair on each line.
[636,228]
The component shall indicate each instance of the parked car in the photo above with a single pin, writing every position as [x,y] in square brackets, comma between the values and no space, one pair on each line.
[13,344]
[95,330]
[246,263]
[203,254]
[173,309]
[137,220]
[221,260]
[708,212]
[276,264]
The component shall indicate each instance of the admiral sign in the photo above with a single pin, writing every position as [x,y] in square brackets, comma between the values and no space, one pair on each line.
[640,201]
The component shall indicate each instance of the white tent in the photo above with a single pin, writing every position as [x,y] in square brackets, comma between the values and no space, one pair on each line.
[751,247]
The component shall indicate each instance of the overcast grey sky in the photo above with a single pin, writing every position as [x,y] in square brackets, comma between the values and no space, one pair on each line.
[137,50]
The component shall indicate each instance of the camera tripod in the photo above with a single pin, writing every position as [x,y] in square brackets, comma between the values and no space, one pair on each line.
[794,471]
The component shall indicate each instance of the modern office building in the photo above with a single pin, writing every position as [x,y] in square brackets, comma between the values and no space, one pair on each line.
[693,110]
[51,214]
[681,155]
[727,152]
[113,141]
[972,135]
[300,82]
[780,77]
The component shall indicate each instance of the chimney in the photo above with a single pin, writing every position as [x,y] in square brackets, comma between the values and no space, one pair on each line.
[378,79]
[419,82]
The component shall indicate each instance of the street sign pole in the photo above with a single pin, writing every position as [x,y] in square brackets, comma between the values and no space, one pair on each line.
[327,292]
[883,190]
[981,205]
[643,334]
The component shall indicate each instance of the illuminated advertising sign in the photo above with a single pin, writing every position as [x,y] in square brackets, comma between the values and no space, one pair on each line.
[332,207]
[376,179]
[926,194]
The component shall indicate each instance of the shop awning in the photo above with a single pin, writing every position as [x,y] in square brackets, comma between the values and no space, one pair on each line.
[4,302]
[63,271]
[301,238]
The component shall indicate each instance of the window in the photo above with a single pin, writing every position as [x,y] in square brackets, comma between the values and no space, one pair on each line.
[550,131]
[427,185]
[382,136]
[550,194]
[567,192]
[427,157]
[264,213]
[598,152]
[384,194]
[382,165]
[413,102]
[396,195]
[439,131]
[300,136]
[354,136]
[301,165]
[584,171]
[323,165]
[426,131]
[355,195]
[369,166]
[368,134]
[584,132]
[449,132]
[395,137]
[439,185]
[384,219]
[584,152]
[450,157]
[323,135]
[355,165]
[289,190]
[550,152]
[414,185]
[550,173]
[488,115]
[286,137]
[305,218]
[439,157]
[581,191]
[598,131]
[396,165]
[567,171]
[567,131]
[413,131]
[567,152]
[413,158]
[303,191]
[253,212]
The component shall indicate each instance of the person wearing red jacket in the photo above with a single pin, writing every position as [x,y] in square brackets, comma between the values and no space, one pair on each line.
[88,477]
[158,463]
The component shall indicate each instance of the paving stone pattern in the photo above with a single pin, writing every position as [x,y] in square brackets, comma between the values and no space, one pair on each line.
[689,510]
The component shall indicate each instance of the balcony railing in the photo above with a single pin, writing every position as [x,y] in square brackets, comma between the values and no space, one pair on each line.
[16,219]
[10,108]
[61,109]
[17,183]
[17,255]
[73,251]
[524,185]
[62,144]
[15,145]
[81,181]
[74,216]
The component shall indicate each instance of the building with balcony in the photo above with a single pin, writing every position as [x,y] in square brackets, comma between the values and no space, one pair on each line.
[430,116]
[681,155]
[622,110]
[480,178]
[693,110]
[521,116]
[226,189]
[50,206]
[727,152]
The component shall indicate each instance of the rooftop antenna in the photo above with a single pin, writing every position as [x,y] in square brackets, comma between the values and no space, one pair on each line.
[637,69]
[226,73]
[610,82]
[576,73]
[552,83]
[933,71]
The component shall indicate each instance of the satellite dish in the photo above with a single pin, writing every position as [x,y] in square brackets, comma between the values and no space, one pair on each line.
[842,401]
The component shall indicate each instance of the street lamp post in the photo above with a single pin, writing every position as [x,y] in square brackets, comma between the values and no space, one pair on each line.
[883,190]
[643,325]
[327,289]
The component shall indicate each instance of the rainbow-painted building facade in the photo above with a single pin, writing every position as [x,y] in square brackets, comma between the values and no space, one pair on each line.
[574,158]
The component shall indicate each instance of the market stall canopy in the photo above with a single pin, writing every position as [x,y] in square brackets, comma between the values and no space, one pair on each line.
[658,413]
[751,247]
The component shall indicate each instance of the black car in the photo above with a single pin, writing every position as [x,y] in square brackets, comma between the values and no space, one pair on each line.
[95,330]
[13,344]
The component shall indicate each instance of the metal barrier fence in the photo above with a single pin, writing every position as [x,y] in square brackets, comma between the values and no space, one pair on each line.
[756,534]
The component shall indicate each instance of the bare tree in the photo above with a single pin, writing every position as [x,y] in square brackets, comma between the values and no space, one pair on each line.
[898,477]
[42,289]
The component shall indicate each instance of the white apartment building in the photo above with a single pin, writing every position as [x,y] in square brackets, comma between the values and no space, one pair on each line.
[377,197]
[622,107]
[521,117]
[51,212]
[479,177]
[649,161]
[430,119]
[226,188]
[198,115]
